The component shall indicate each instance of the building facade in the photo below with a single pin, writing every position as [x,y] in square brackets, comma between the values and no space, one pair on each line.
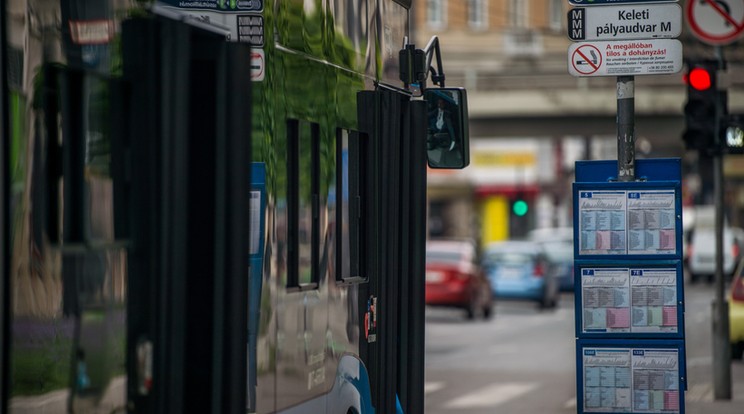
[530,120]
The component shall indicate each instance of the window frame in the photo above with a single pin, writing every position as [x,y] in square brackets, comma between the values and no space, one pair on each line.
[436,20]
[479,9]
[295,147]
[350,177]
[556,15]
[519,14]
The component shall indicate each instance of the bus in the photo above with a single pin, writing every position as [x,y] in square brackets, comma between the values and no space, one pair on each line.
[217,206]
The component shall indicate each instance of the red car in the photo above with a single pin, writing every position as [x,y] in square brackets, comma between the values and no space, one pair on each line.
[454,277]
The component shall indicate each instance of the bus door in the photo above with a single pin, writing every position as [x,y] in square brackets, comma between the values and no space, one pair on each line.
[397,231]
[189,143]
[127,242]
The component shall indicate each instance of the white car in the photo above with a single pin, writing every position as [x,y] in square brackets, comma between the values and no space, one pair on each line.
[701,248]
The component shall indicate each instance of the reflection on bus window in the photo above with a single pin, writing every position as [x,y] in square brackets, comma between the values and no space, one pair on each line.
[351,158]
[303,168]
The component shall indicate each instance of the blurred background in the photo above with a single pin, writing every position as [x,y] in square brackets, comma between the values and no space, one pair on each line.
[530,120]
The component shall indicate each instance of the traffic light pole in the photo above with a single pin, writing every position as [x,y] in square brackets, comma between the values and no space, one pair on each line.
[721,347]
[626,128]
[626,172]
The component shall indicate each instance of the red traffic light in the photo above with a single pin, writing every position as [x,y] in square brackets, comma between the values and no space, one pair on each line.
[700,79]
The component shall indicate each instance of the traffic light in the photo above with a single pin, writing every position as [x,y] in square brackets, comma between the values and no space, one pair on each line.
[733,134]
[519,217]
[700,109]
[520,207]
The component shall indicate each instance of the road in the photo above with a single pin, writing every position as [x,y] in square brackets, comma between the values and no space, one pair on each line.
[523,360]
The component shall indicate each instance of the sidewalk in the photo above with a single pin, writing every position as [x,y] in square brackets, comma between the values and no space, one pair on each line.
[699,397]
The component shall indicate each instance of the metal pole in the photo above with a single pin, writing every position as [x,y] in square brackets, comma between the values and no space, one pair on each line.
[721,347]
[625,128]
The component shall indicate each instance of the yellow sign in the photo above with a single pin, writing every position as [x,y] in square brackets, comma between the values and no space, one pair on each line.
[495,216]
[502,159]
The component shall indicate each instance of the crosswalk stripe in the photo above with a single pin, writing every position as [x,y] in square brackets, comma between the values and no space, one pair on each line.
[700,392]
[570,404]
[430,387]
[492,395]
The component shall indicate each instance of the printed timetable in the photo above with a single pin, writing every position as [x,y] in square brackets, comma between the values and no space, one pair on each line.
[630,380]
[621,222]
[632,300]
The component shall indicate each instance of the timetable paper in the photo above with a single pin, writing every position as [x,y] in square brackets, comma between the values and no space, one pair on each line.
[631,380]
[635,300]
[605,300]
[254,214]
[602,227]
[627,222]
[651,222]
[654,300]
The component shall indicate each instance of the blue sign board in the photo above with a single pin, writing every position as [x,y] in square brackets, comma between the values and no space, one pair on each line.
[606,2]
[629,288]
[257,214]
[604,171]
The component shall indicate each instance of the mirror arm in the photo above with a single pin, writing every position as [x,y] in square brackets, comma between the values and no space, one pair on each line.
[412,69]
[415,65]
[431,49]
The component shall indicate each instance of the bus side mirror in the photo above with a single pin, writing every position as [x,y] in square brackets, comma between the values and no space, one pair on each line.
[447,140]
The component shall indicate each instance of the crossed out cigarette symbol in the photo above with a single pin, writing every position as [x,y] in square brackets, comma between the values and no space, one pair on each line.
[587,59]
[716,21]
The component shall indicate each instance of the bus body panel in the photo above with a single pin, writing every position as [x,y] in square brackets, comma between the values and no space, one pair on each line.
[318,56]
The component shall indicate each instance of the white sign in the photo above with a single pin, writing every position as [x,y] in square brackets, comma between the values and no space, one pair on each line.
[717,22]
[643,21]
[258,65]
[91,32]
[606,2]
[625,58]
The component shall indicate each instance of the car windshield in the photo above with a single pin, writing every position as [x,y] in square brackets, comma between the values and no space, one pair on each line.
[559,252]
[509,258]
[437,256]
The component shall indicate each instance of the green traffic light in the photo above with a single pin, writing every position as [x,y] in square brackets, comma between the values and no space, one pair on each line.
[520,208]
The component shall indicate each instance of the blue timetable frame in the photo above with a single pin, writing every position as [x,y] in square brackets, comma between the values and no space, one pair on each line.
[604,171]
[642,300]
[609,220]
[257,215]
[630,376]
[629,288]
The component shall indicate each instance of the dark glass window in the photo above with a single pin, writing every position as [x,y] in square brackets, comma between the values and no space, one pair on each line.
[351,157]
[302,203]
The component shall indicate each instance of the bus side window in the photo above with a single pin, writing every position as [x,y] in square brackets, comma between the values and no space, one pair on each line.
[303,183]
[404,3]
[350,241]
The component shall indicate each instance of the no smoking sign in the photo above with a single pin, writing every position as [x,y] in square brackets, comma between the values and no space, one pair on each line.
[625,58]
[716,22]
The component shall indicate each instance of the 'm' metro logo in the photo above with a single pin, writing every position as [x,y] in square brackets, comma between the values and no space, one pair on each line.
[576,24]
